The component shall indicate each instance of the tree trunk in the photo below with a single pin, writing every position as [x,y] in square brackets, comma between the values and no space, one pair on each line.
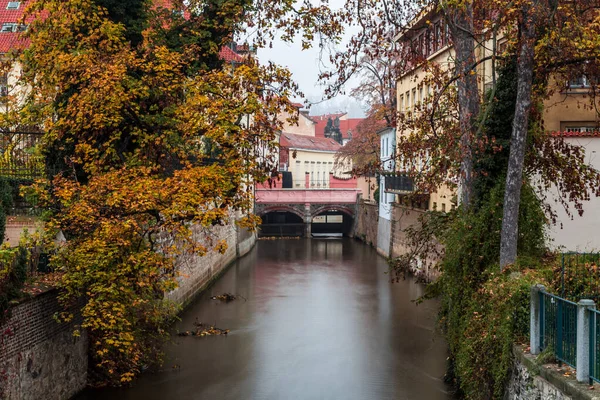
[460,23]
[514,174]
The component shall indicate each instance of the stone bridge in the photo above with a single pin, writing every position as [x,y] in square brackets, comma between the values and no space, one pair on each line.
[307,203]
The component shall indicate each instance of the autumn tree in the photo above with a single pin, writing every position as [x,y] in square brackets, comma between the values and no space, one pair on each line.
[364,148]
[147,146]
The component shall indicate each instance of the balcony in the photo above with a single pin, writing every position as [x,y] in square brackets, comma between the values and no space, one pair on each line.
[398,184]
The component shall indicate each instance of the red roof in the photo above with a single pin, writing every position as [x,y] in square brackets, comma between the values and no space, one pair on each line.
[576,134]
[291,141]
[346,126]
[12,40]
[228,55]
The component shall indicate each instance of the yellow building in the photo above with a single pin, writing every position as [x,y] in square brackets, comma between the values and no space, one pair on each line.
[564,111]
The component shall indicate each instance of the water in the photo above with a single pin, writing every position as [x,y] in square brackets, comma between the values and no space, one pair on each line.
[321,321]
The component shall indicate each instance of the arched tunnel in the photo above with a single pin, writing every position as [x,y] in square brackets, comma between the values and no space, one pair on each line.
[331,223]
[327,223]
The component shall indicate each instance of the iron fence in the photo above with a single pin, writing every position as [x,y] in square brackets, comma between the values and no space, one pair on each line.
[398,183]
[559,327]
[594,344]
[19,155]
[281,230]
[580,276]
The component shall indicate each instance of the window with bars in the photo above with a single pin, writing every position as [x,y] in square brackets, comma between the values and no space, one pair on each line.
[581,129]
[581,82]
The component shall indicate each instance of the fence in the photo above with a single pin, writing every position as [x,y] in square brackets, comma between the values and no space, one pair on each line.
[19,155]
[579,276]
[281,230]
[567,329]
[559,327]
[593,315]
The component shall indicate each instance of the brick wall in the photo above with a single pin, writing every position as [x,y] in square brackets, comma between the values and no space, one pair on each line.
[402,218]
[367,216]
[39,357]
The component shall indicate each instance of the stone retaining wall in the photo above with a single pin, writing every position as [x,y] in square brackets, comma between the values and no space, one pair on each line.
[532,381]
[196,271]
[40,358]
[402,218]
[365,228]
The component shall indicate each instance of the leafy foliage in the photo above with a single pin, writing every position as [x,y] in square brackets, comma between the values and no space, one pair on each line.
[150,142]
[6,202]
[483,313]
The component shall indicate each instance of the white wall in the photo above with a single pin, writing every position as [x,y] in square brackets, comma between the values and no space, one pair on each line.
[579,233]
[387,152]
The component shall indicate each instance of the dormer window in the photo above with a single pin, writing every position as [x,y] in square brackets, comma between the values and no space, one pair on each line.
[13,5]
[8,27]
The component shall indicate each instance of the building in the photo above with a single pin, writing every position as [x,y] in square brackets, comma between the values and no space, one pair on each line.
[564,114]
[388,164]
[310,159]
[336,126]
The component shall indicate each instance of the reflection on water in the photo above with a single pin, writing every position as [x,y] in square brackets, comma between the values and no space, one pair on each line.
[321,321]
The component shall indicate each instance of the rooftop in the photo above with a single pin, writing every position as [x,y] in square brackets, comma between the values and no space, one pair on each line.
[302,142]
[12,26]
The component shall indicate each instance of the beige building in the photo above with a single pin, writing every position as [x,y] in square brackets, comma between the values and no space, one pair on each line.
[309,157]
[305,126]
[565,111]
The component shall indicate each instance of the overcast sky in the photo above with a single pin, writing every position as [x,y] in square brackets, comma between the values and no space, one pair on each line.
[305,66]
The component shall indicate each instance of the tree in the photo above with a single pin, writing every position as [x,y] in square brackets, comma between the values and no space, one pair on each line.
[146,147]
[364,148]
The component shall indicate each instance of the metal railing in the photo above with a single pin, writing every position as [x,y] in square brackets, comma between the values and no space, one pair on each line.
[594,357]
[559,327]
[281,230]
[398,183]
[19,158]
[580,276]
[570,330]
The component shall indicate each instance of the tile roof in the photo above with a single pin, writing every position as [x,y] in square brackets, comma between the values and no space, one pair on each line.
[228,55]
[15,40]
[291,141]
[12,40]
[346,125]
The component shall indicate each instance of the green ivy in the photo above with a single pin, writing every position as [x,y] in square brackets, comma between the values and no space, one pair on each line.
[6,202]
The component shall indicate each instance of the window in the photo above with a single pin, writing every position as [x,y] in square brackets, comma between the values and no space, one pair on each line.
[581,81]
[581,129]
[8,27]
[407,108]
[414,94]
[13,5]
[401,103]
[443,207]
[439,43]
[3,86]
[421,95]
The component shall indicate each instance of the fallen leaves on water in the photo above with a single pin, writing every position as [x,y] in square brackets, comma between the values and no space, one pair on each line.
[227,297]
[204,330]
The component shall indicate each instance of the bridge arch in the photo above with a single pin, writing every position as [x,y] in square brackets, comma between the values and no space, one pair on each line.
[280,208]
[320,209]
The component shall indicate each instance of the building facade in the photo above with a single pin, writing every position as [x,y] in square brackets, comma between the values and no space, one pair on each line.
[566,113]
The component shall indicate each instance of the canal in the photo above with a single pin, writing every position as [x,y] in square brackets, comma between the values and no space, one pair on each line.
[321,320]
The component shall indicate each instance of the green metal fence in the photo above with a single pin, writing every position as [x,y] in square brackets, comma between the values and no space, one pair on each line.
[594,345]
[559,327]
[580,276]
